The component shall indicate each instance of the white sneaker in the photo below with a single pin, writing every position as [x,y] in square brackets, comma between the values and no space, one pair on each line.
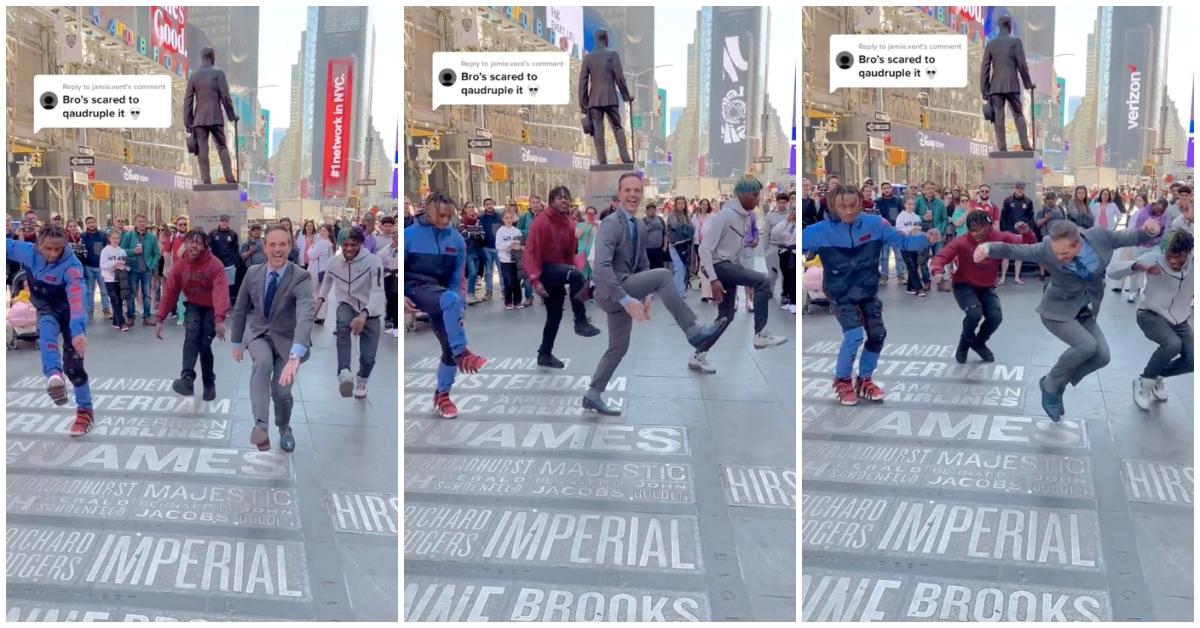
[1160,389]
[1141,392]
[763,340]
[360,387]
[345,382]
[784,306]
[792,308]
[699,362]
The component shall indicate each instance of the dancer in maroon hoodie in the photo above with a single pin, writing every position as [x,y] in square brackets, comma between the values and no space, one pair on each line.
[974,284]
[201,278]
[549,261]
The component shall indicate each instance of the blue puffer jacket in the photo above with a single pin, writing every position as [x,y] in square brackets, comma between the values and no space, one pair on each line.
[433,256]
[850,253]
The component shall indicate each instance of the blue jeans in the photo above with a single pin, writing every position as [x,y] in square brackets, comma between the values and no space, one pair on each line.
[884,253]
[490,262]
[138,280]
[49,330]
[680,272]
[92,275]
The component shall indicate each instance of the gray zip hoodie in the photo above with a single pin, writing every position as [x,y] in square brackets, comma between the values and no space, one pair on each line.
[1168,294]
[724,237]
[358,283]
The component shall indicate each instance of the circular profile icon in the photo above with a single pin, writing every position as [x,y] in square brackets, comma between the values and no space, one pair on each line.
[844,60]
[447,77]
[49,100]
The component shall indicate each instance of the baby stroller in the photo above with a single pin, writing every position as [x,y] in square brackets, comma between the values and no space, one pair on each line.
[814,292]
[22,316]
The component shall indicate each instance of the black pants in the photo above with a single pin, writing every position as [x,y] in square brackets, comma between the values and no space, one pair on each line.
[732,275]
[557,279]
[787,267]
[657,257]
[393,299]
[978,304]
[1014,102]
[510,279]
[116,300]
[200,330]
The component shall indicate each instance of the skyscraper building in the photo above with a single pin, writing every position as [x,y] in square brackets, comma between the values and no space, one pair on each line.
[344,56]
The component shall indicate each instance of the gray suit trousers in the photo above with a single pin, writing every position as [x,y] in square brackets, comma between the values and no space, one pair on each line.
[1087,351]
[659,282]
[266,365]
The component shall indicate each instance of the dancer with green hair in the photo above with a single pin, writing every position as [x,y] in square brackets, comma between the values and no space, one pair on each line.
[720,252]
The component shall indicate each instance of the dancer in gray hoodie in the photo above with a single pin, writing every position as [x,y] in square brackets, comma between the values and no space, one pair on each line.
[1164,313]
[356,279]
[720,252]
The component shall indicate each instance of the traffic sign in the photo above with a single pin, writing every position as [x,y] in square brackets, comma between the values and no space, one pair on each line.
[881,116]
[764,160]
[875,143]
[82,161]
[86,150]
[367,182]
[478,161]
[479,143]
[79,178]
[879,127]
[484,133]
[1161,151]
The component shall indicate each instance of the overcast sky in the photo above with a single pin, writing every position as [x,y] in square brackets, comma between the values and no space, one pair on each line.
[1073,24]
[673,31]
[279,42]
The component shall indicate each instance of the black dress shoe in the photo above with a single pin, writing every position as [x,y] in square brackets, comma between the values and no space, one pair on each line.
[985,354]
[960,354]
[586,329]
[599,408]
[185,386]
[210,391]
[550,361]
[287,441]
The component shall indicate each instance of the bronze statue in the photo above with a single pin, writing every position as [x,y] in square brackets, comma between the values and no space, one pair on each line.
[208,89]
[1003,64]
[603,67]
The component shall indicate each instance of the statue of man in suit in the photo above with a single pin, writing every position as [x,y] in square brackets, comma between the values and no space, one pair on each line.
[603,67]
[1003,63]
[208,89]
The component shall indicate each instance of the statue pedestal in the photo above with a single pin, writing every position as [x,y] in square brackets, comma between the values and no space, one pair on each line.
[207,202]
[602,183]
[1005,169]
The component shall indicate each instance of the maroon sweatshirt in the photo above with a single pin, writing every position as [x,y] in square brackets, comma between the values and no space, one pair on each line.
[962,248]
[203,282]
[551,241]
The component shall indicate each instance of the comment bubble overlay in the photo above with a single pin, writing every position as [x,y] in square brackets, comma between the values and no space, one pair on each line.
[897,61]
[501,78]
[101,101]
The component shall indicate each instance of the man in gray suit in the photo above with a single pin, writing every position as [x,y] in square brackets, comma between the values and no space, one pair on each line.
[603,66]
[274,312]
[209,91]
[1076,261]
[624,284]
[1003,62]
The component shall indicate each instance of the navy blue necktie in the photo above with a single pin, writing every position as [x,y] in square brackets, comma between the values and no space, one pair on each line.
[1082,270]
[271,285]
[633,233]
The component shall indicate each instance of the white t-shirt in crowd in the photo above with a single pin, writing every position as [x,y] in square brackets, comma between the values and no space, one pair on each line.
[906,220]
[108,260]
[505,237]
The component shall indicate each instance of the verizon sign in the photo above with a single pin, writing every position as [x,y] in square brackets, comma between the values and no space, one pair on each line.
[1134,102]
[339,84]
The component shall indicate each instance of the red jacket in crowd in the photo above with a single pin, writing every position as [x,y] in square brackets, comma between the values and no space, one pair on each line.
[987,206]
[203,282]
[551,241]
[963,248]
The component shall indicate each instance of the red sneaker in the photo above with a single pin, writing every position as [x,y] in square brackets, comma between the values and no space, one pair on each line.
[83,422]
[845,392]
[469,362]
[445,407]
[868,390]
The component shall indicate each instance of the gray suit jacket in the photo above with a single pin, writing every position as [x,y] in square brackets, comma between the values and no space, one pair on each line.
[291,310]
[1003,61]
[1066,293]
[209,90]
[603,66]
[616,259]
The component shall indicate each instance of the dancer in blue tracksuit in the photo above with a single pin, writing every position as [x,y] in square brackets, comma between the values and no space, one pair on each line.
[434,259]
[849,243]
[56,286]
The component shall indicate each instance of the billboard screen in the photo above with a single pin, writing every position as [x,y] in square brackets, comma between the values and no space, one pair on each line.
[1130,79]
[733,44]
[339,86]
